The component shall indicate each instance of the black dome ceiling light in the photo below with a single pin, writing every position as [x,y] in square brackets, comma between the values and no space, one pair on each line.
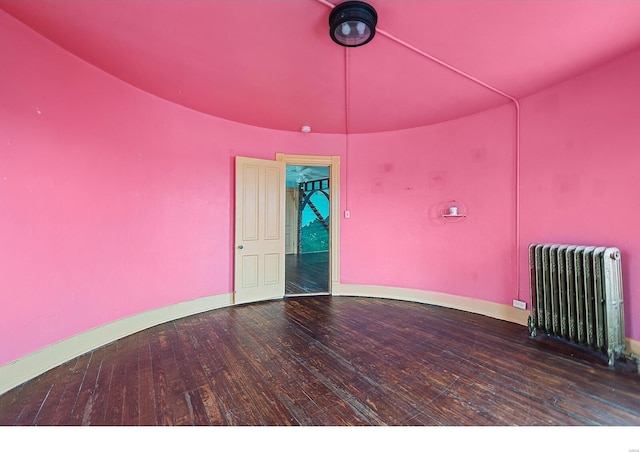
[352,24]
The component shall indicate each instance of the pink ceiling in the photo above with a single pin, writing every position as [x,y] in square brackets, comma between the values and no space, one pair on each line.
[271,63]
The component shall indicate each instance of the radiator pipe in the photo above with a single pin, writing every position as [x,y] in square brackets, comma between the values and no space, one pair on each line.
[491,88]
[632,357]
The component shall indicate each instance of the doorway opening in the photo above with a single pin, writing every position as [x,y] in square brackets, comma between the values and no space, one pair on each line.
[307,230]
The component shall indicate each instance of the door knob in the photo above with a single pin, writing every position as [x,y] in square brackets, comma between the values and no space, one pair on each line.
[240,247]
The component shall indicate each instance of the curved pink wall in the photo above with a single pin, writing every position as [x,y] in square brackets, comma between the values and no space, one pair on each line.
[580,163]
[398,183]
[114,202]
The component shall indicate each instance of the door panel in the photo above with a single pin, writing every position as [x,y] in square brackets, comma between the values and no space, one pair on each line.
[271,266]
[274,203]
[259,230]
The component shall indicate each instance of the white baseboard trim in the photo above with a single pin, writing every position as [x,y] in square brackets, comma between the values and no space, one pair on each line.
[30,366]
[633,346]
[477,306]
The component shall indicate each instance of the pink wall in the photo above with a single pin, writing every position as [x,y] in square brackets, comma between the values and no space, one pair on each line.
[580,163]
[397,183]
[114,202]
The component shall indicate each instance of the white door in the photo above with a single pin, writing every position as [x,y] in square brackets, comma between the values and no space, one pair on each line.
[259,231]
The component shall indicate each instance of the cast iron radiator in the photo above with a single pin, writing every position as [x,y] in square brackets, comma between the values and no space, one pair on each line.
[576,295]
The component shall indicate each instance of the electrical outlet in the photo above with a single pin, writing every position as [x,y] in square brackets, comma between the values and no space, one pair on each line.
[519,304]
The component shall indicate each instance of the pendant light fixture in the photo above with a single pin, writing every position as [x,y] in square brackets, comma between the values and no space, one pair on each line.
[352,24]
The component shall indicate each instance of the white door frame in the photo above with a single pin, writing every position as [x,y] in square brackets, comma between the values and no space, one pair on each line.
[333,162]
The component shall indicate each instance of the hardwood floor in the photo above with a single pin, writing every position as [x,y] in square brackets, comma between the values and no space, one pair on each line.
[307,273]
[336,361]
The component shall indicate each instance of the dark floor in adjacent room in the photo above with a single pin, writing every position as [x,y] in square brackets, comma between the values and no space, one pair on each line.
[307,273]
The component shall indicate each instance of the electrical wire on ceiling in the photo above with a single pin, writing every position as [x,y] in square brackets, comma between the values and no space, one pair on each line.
[473,79]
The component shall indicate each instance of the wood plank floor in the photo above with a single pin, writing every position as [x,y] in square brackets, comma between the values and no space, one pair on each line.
[331,361]
[307,273]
